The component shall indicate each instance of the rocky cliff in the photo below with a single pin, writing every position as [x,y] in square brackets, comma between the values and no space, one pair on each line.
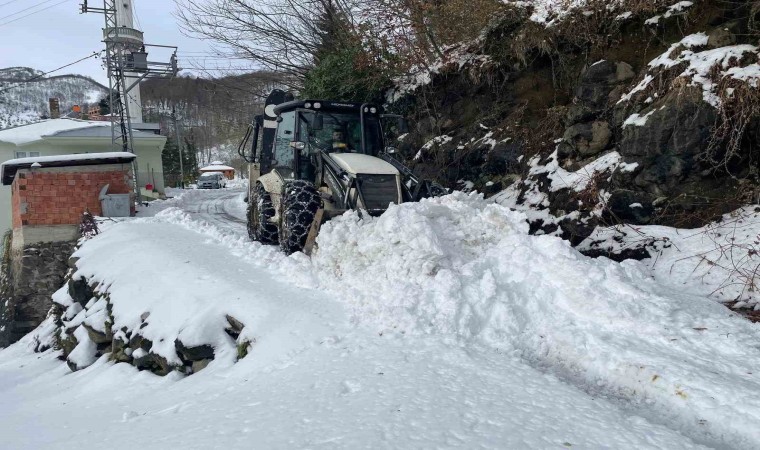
[639,112]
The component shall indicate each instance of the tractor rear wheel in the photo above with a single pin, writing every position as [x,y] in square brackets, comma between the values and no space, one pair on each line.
[260,213]
[300,203]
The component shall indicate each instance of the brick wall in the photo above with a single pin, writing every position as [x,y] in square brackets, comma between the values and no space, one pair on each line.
[59,196]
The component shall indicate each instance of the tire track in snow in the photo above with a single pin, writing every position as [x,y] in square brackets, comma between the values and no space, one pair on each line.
[217,208]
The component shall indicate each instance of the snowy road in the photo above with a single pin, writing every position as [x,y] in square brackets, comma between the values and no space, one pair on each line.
[222,208]
[334,368]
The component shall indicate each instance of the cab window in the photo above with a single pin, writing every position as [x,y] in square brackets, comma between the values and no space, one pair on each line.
[283,152]
[339,132]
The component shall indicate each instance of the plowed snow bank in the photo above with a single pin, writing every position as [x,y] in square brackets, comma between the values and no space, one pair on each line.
[464,266]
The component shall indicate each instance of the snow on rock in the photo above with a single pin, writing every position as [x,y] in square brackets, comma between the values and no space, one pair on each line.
[700,66]
[83,354]
[673,10]
[189,307]
[455,58]
[553,12]
[433,143]
[578,180]
[719,260]
[637,120]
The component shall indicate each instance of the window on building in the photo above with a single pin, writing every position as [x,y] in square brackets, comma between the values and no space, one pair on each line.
[27,154]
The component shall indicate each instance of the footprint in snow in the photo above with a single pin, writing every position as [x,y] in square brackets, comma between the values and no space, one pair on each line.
[350,387]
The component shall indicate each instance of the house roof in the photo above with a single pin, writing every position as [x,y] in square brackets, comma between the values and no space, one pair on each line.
[216,168]
[99,132]
[9,168]
[67,128]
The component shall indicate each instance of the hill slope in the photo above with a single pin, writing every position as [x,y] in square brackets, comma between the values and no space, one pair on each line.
[24,100]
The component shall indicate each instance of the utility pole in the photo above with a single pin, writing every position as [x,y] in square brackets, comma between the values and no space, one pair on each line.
[127,65]
[180,148]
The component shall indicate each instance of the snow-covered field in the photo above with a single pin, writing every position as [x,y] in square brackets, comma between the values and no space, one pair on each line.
[441,324]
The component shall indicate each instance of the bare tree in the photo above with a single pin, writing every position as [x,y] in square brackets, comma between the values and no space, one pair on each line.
[278,35]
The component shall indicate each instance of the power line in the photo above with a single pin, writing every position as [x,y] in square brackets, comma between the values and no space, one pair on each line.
[7,3]
[31,13]
[137,18]
[94,54]
[26,9]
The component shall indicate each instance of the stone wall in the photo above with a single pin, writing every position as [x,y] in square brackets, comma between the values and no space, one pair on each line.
[85,330]
[32,274]
[6,290]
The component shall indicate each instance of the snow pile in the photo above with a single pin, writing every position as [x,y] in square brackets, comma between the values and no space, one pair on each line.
[704,67]
[463,266]
[719,260]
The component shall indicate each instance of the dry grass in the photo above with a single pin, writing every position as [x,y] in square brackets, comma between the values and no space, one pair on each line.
[739,109]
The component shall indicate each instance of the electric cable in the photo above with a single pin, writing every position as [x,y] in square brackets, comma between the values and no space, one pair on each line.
[37,77]
[31,13]
[25,9]
[7,3]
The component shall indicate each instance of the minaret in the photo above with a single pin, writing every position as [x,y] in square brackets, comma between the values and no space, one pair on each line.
[125,18]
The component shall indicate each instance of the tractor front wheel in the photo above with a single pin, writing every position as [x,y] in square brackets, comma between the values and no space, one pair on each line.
[300,203]
[260,214]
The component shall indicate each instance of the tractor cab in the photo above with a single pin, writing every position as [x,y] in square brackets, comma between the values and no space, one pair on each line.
[306,128]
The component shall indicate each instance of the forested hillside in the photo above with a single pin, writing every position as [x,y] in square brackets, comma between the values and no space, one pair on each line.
[213,113]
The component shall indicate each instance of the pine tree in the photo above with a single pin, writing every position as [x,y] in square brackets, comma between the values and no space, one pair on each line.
[170,158]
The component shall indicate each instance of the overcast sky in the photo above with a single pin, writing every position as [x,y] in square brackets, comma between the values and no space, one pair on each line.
[59,35]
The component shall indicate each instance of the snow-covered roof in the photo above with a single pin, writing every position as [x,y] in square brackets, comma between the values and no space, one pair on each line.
[9,168]
[216,166]
[73,128]
[102,132]
[25,134]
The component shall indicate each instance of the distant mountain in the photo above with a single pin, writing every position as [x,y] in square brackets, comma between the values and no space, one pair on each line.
[24,98]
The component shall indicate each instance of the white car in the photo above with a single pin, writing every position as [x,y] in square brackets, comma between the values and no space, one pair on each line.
[212,180]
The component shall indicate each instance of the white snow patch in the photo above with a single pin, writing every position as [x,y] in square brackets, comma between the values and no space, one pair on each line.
[698,65]
[578,180]
[637,119]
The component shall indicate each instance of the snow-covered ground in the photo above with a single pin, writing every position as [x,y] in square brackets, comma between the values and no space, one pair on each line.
[441,324]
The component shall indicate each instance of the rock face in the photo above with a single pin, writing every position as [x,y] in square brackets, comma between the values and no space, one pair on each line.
[553,107]
[33,274]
